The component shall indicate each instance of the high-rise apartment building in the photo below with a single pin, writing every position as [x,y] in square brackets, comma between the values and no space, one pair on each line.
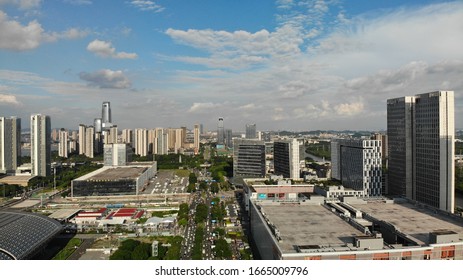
[90,142]
[141,142]
[162,142]
[127,136]
[286,158]
[425,133]
[63,148]
[98,125]
[81,140]
[251,131]
[357,164]
[40,145]
[10,144]
[248,158]
[228,138]
[196,138]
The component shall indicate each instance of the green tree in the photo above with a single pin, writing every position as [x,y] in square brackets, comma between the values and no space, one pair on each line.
[141,252]
[222,250]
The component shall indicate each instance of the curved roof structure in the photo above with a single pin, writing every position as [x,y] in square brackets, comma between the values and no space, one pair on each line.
[24,234]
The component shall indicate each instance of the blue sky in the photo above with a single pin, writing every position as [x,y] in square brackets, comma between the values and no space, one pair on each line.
[284,64]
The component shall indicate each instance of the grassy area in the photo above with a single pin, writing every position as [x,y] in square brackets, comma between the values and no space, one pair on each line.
[72,245]
[182,172]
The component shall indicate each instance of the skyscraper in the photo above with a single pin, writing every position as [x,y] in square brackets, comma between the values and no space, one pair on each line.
[141,142]
[196,140]
[421,134]
[286,158]
[251,131]
[220,132]
[82,131]
[63,143]
[40,145]
[106,116]
[10,144]
[90,142]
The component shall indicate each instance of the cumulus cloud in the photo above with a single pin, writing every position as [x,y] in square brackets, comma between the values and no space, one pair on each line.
[202,107]
[106,78]
[147,6]
[22,4]
[8,99]
[105,49]
[349,109]
[17,37]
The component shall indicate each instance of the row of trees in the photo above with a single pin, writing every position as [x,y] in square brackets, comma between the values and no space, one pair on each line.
[132,249]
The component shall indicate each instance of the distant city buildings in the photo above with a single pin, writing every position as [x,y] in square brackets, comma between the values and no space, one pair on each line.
[251,131]
[117,154]
[10,144]
[357,164]
[40,145]
[63,148]
[421,132]
[220,132]
[196,141]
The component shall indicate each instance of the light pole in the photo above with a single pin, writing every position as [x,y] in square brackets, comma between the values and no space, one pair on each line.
[54,178]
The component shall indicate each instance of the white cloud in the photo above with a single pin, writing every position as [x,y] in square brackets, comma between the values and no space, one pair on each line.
[106,78]
[105,49]
[22,4]
[8,99]
[14,36]
[147,6]
[349,109]
[17,37]
[202,107]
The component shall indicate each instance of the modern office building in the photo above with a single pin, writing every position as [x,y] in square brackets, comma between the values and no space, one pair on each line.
[117,154]
[400,134]
[421,133]
[357,164]
[98,125]
[40,145]
[63,147]
[248,158]
[228,138]
[286,158]
[251,131]
[106,121]
[220,132]
[10,144]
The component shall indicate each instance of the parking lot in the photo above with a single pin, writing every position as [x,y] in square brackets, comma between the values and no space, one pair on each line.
[166,182]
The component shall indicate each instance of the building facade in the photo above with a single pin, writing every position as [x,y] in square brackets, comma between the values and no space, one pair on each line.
[286,158]
[248,158]
[251,131]
[421,133]
[10,144]
[40,145]
[63,148]
[357,164]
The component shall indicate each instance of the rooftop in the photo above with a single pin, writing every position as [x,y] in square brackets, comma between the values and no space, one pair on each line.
[412,219]
[118,173]
[304,225]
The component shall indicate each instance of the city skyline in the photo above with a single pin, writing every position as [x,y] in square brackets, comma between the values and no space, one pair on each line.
[285,65]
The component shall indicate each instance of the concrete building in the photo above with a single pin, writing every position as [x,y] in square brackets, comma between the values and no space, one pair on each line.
[286,158]
[162,142]
[63,148]
[251,131]
[117,154]
[374,230]
[127,136]
[40,145]
[98,125]
[248,158]
[197,139]
[357,164]
[82,135]
[141,142]
[90,142]
[228,138]
[421,132]
[10,144]
[109,180]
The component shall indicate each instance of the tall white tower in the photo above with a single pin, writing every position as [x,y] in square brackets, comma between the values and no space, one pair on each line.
[40,145]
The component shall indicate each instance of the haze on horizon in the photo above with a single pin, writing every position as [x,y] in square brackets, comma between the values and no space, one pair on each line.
[284,64]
